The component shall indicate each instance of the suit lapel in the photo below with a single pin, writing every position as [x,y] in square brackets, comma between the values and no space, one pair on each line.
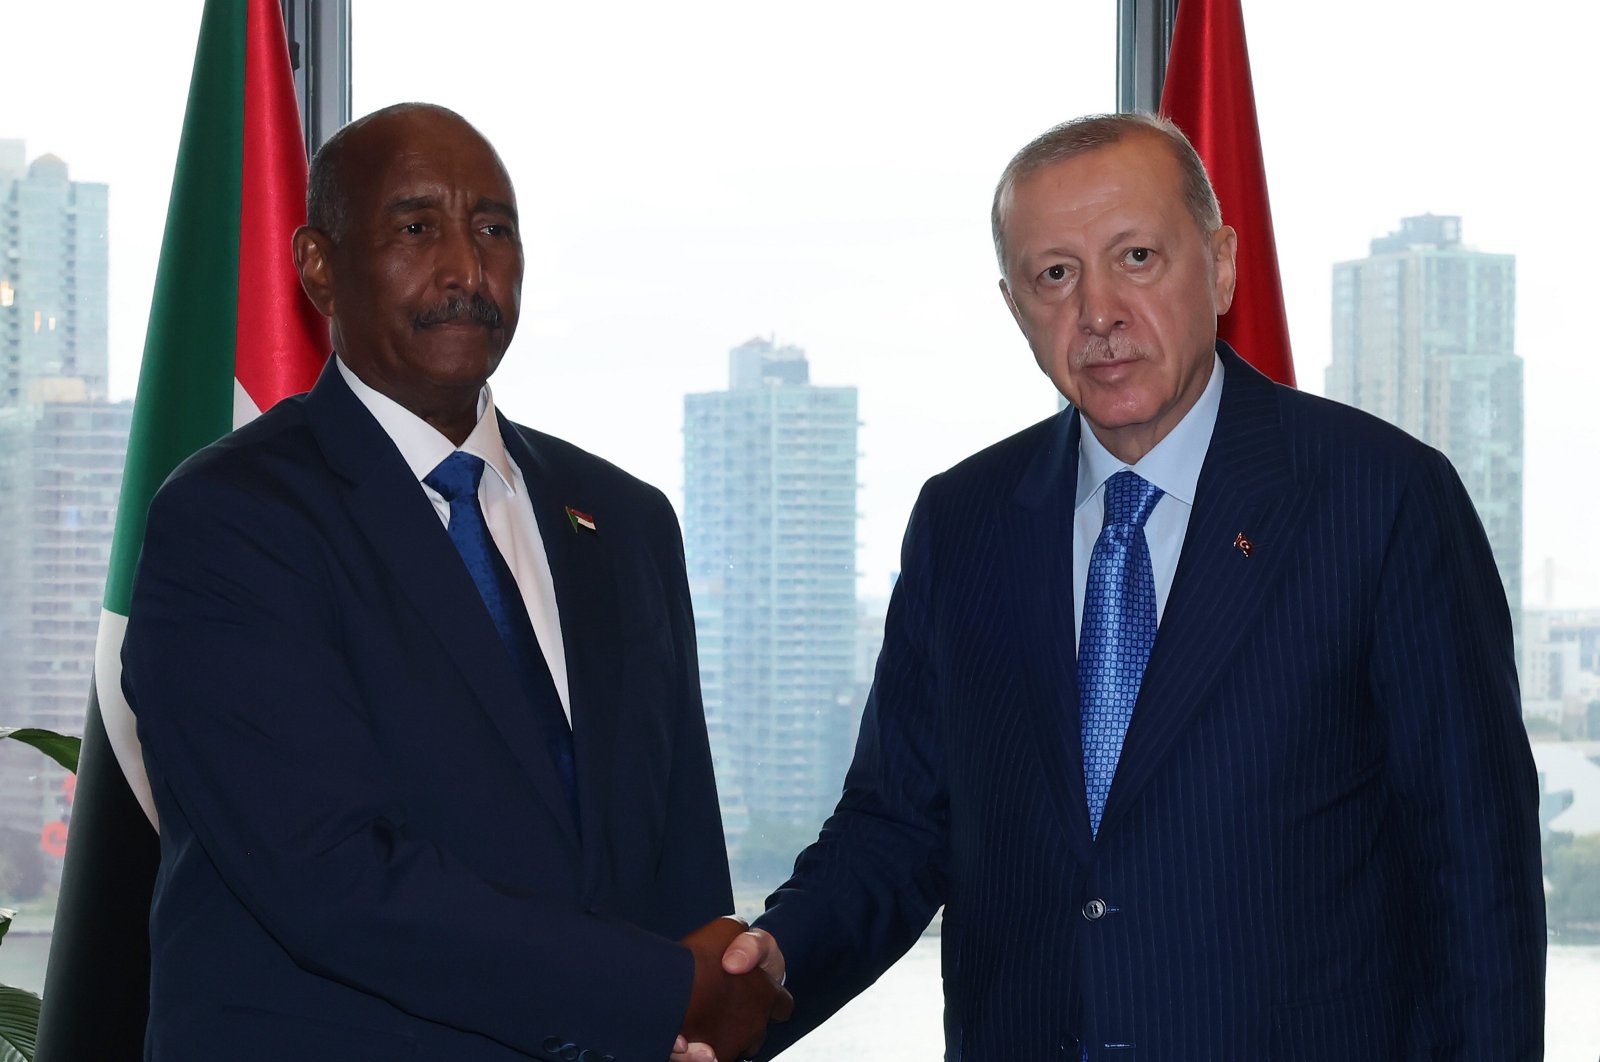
[1037,566]
[1246,487]
[389,506]
[586,598]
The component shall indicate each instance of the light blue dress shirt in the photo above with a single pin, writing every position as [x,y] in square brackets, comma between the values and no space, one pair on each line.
[1173,465]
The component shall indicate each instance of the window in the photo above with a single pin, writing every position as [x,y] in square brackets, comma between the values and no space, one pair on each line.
[61,458]
[1416,129]
[692,176]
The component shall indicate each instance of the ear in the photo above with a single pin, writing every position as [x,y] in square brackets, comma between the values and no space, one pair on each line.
[313,257]
[1011,303]
[1224,246]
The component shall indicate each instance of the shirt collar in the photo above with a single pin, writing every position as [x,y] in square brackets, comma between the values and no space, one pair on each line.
[1173,464]
[421,445]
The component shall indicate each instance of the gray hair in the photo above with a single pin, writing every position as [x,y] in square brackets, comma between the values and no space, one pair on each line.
[1082,135]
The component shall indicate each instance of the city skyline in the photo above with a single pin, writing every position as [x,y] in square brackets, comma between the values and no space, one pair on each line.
[62,446]
[850,213]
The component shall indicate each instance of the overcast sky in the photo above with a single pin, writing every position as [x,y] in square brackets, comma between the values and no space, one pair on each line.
[692,176]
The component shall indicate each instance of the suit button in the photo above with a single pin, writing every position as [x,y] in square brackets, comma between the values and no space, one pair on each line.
[1094,910]
[569,1052]
[552,1045]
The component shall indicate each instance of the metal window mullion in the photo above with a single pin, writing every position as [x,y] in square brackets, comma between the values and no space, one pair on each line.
[319,48]
[1144,33]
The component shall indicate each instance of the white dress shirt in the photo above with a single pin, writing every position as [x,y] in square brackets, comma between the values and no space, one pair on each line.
[1173,465]
[507,509]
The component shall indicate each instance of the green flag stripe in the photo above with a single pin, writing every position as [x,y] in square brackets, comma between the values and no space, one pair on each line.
[185,396]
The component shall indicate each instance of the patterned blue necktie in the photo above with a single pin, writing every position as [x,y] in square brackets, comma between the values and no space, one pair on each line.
[1119,627]
[456,479]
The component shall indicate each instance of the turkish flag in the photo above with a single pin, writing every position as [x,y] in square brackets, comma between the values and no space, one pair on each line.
[1208,94]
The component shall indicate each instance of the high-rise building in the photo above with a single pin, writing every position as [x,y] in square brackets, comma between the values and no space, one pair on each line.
[60,473]
[1560,675]
[62,447]
[770,539]
[1424,334]
[52,276]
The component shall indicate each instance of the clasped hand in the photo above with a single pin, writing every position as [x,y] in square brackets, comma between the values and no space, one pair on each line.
[736,993]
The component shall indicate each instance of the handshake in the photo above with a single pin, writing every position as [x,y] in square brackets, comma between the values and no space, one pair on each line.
[738,974]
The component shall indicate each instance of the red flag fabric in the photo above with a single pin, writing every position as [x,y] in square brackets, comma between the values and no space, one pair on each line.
[1209,95]
[282,339]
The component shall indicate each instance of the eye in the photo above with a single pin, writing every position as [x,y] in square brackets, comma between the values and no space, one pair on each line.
[415,228]
[500,230]
[1138,255]
[1054,274]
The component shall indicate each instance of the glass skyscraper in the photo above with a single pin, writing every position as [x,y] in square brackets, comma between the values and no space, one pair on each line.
[770,539]
[1424,335]
[62,446]
[52,277]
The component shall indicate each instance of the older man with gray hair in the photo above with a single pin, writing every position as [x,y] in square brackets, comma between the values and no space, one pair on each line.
[1196,709]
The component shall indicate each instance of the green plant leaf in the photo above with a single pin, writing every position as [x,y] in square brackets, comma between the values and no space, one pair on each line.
[59,747]
[19,1024]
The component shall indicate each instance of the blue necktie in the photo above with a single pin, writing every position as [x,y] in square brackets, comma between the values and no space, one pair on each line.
[456,479]
[1119,627]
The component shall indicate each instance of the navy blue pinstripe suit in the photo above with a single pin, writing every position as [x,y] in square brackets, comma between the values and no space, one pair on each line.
[1321,842]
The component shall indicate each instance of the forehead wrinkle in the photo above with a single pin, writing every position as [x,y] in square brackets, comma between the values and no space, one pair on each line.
[1131,234]
[405,204]
[432,201]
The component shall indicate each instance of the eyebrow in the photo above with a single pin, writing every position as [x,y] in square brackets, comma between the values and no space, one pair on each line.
[431,202]
[495,206]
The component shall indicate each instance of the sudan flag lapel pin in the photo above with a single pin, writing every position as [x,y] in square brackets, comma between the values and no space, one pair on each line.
[581,521]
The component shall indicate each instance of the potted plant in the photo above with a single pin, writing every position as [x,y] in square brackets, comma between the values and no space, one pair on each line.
[19,1009]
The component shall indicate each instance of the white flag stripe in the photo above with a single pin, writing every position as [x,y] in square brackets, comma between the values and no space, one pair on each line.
[244,407]
[114,710]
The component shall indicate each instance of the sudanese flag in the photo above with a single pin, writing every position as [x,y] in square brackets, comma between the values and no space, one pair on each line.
[230,334]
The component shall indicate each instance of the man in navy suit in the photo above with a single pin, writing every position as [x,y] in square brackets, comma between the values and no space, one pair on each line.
[385,833]
[1320,839]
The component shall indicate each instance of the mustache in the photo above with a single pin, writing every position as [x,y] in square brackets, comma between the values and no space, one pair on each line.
[1107,348]
[477,308]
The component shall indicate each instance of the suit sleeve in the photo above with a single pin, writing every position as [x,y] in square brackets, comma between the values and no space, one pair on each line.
[694,861]
[257,735]
[865,890]
[1464,783]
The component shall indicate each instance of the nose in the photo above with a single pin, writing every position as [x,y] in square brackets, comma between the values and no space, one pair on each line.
[1101,310]
[460,265]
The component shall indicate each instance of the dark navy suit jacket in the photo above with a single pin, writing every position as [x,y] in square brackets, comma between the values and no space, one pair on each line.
[1322,840]
[365,850]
